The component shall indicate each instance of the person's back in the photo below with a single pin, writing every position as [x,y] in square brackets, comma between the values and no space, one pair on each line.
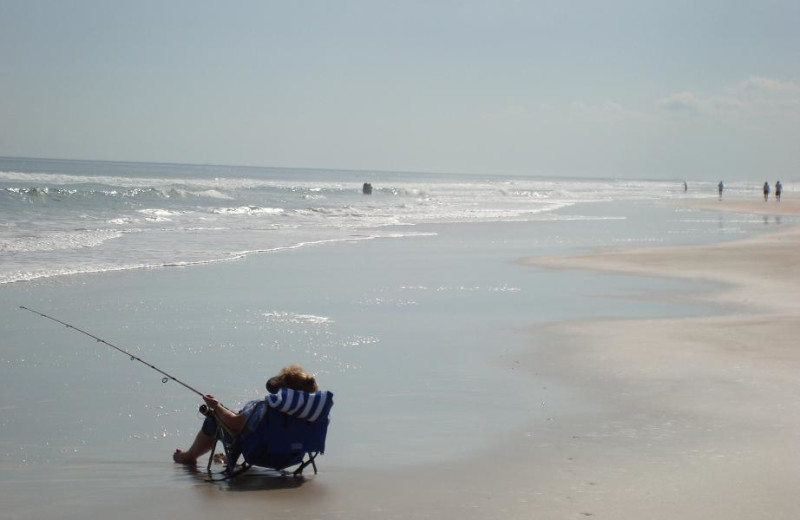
[289,378]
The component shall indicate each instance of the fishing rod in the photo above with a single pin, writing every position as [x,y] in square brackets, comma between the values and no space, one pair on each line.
[167,377]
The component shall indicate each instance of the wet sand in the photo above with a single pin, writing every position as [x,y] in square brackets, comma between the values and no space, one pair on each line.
[756,207]
[708,408]
[691,418]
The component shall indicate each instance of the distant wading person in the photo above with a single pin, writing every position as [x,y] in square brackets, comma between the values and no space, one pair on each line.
[720,187]
[766,191]
[778,190]
[293,377]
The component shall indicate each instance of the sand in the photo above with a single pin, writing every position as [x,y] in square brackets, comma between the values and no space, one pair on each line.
[707,407]
[690,418]
[756,207]
[760,273]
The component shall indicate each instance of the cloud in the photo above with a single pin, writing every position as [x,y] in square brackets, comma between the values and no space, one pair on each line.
[751,97]
[766,85]
[700,104]
[605,111]
[681,102]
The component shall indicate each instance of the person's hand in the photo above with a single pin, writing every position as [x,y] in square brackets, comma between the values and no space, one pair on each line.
[211,402]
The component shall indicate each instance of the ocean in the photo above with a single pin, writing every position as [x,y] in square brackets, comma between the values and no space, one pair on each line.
[407,303]
[76,217]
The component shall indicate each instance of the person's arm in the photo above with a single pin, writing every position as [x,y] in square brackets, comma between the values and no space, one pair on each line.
[232,421]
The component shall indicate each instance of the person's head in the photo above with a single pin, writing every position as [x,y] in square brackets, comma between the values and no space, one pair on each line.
[293,377]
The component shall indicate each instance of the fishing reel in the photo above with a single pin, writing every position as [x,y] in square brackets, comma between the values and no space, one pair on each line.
[204,410]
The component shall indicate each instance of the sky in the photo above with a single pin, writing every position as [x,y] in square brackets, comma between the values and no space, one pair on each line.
[631,89]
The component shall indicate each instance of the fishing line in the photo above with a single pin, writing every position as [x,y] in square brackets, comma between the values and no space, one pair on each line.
[167,377]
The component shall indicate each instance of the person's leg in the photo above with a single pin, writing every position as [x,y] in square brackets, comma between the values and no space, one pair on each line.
[202,444]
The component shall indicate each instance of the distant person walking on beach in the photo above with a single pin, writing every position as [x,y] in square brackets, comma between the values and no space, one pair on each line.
[720,187]
[766,191]
[778,190]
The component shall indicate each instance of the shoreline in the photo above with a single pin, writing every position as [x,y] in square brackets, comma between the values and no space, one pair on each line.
[757,272]
[754,207]
[706,405]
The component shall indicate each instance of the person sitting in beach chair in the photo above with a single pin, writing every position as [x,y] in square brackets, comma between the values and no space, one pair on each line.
[286,428]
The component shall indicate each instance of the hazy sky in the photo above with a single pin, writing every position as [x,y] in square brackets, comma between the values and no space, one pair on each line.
[669,89]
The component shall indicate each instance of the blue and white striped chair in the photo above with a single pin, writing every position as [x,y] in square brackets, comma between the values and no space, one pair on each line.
[285,429]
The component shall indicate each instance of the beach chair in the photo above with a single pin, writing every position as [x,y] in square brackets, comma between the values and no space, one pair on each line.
[286,429]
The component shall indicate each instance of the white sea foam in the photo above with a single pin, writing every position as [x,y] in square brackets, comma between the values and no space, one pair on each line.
[156,212]
[47,271]
[158,215]
[214,194]
[120,221]
[247,210]
[290,317]
[58,240]
[357,341]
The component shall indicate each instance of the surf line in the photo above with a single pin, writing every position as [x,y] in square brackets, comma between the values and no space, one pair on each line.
[167,377]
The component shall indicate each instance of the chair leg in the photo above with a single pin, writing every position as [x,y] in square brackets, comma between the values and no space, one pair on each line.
[230,457]
[211,456]
[311,457]
[312,461]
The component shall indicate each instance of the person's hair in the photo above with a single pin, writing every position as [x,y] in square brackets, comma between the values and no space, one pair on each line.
[296,378]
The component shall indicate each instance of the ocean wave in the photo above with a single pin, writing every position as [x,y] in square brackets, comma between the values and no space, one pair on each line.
[128,187]
[530,194]
[159,215]
[36,191]
[182,193]
[247,210]
[405,192]
[83,268]
[58,240]
[291,317]
[197,186]
[120,221]
[8,274]
[158,212]
[41,193]
[346,211]
[213,194]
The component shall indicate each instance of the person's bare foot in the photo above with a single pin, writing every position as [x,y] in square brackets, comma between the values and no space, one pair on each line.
[219,458]
[183,457]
